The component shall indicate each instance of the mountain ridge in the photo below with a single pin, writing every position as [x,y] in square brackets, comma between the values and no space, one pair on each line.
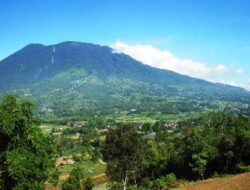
[31,46]
[92,73]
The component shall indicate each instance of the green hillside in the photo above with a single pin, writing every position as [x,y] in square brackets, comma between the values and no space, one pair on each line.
[74,80]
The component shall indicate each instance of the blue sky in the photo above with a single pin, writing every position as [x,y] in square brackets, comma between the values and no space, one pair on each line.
[213,35]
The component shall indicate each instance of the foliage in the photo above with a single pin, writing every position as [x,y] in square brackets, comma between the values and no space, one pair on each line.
[87,80]
[121,151]
[54,177]
[26,154]
[199,164]
[170,180]
[75,180]
[218,143]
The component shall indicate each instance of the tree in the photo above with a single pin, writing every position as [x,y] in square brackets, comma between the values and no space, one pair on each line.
[226,152]
[160,131]
[199,164]
[26,154]
[121,151]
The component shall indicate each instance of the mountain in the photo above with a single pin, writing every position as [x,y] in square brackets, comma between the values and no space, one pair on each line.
[73,79]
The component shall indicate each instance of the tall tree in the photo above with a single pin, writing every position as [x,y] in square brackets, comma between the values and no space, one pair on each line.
[121,151]
[26,154]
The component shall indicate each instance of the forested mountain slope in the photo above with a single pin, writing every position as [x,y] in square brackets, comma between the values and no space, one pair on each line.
[73,78]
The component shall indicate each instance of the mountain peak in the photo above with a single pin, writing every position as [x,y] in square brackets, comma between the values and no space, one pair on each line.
[37,62]
[31,47]
[76,44]
[72,43]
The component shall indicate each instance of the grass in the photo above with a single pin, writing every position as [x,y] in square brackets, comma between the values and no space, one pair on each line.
[96,168]
[47,128]
[100,187]
[89,168]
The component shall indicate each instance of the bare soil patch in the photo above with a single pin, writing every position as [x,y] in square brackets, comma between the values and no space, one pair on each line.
[237,182]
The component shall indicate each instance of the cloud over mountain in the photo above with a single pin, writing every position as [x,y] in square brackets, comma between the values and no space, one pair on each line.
[164,59]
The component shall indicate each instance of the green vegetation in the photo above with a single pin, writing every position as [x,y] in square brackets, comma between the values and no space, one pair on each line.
[216,144]
[76,181]
[26,154]
[146,154]
[87,81]
[78,146]
[122,153]
[151,126]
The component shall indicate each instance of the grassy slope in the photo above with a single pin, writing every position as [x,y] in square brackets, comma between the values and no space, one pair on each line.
[236,182]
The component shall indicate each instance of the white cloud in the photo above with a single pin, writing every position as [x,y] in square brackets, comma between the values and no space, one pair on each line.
[232,83]
[164,59]
[152,56]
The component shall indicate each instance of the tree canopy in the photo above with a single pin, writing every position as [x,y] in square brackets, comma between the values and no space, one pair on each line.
[26,154]
[122,153]
[215,144]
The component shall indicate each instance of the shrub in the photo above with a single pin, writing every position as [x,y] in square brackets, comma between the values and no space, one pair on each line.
[170,180]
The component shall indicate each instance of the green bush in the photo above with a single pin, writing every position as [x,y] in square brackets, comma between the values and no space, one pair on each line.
[170,180]
[243,168]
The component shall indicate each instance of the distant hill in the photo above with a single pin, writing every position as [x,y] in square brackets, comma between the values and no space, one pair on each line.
[78,79]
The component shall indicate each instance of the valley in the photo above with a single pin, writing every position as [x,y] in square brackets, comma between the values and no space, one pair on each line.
[124,95]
